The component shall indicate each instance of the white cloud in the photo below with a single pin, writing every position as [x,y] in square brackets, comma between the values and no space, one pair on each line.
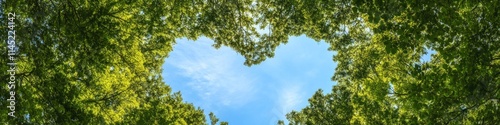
[216,76]
[217,80]
[291,97]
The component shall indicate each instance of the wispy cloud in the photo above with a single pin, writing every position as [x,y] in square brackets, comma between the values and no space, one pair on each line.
[291,97]
[214,75]
[217,80]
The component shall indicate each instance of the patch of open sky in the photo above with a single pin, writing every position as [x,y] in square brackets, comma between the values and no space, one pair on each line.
[217,81]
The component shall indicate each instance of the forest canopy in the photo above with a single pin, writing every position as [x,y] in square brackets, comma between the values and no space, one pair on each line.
[90,62]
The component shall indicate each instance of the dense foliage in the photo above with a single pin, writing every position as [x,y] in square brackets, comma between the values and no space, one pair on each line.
[85,62]
[100,62]
[380,77]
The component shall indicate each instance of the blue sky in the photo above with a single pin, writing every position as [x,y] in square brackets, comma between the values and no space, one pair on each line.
[217,81]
